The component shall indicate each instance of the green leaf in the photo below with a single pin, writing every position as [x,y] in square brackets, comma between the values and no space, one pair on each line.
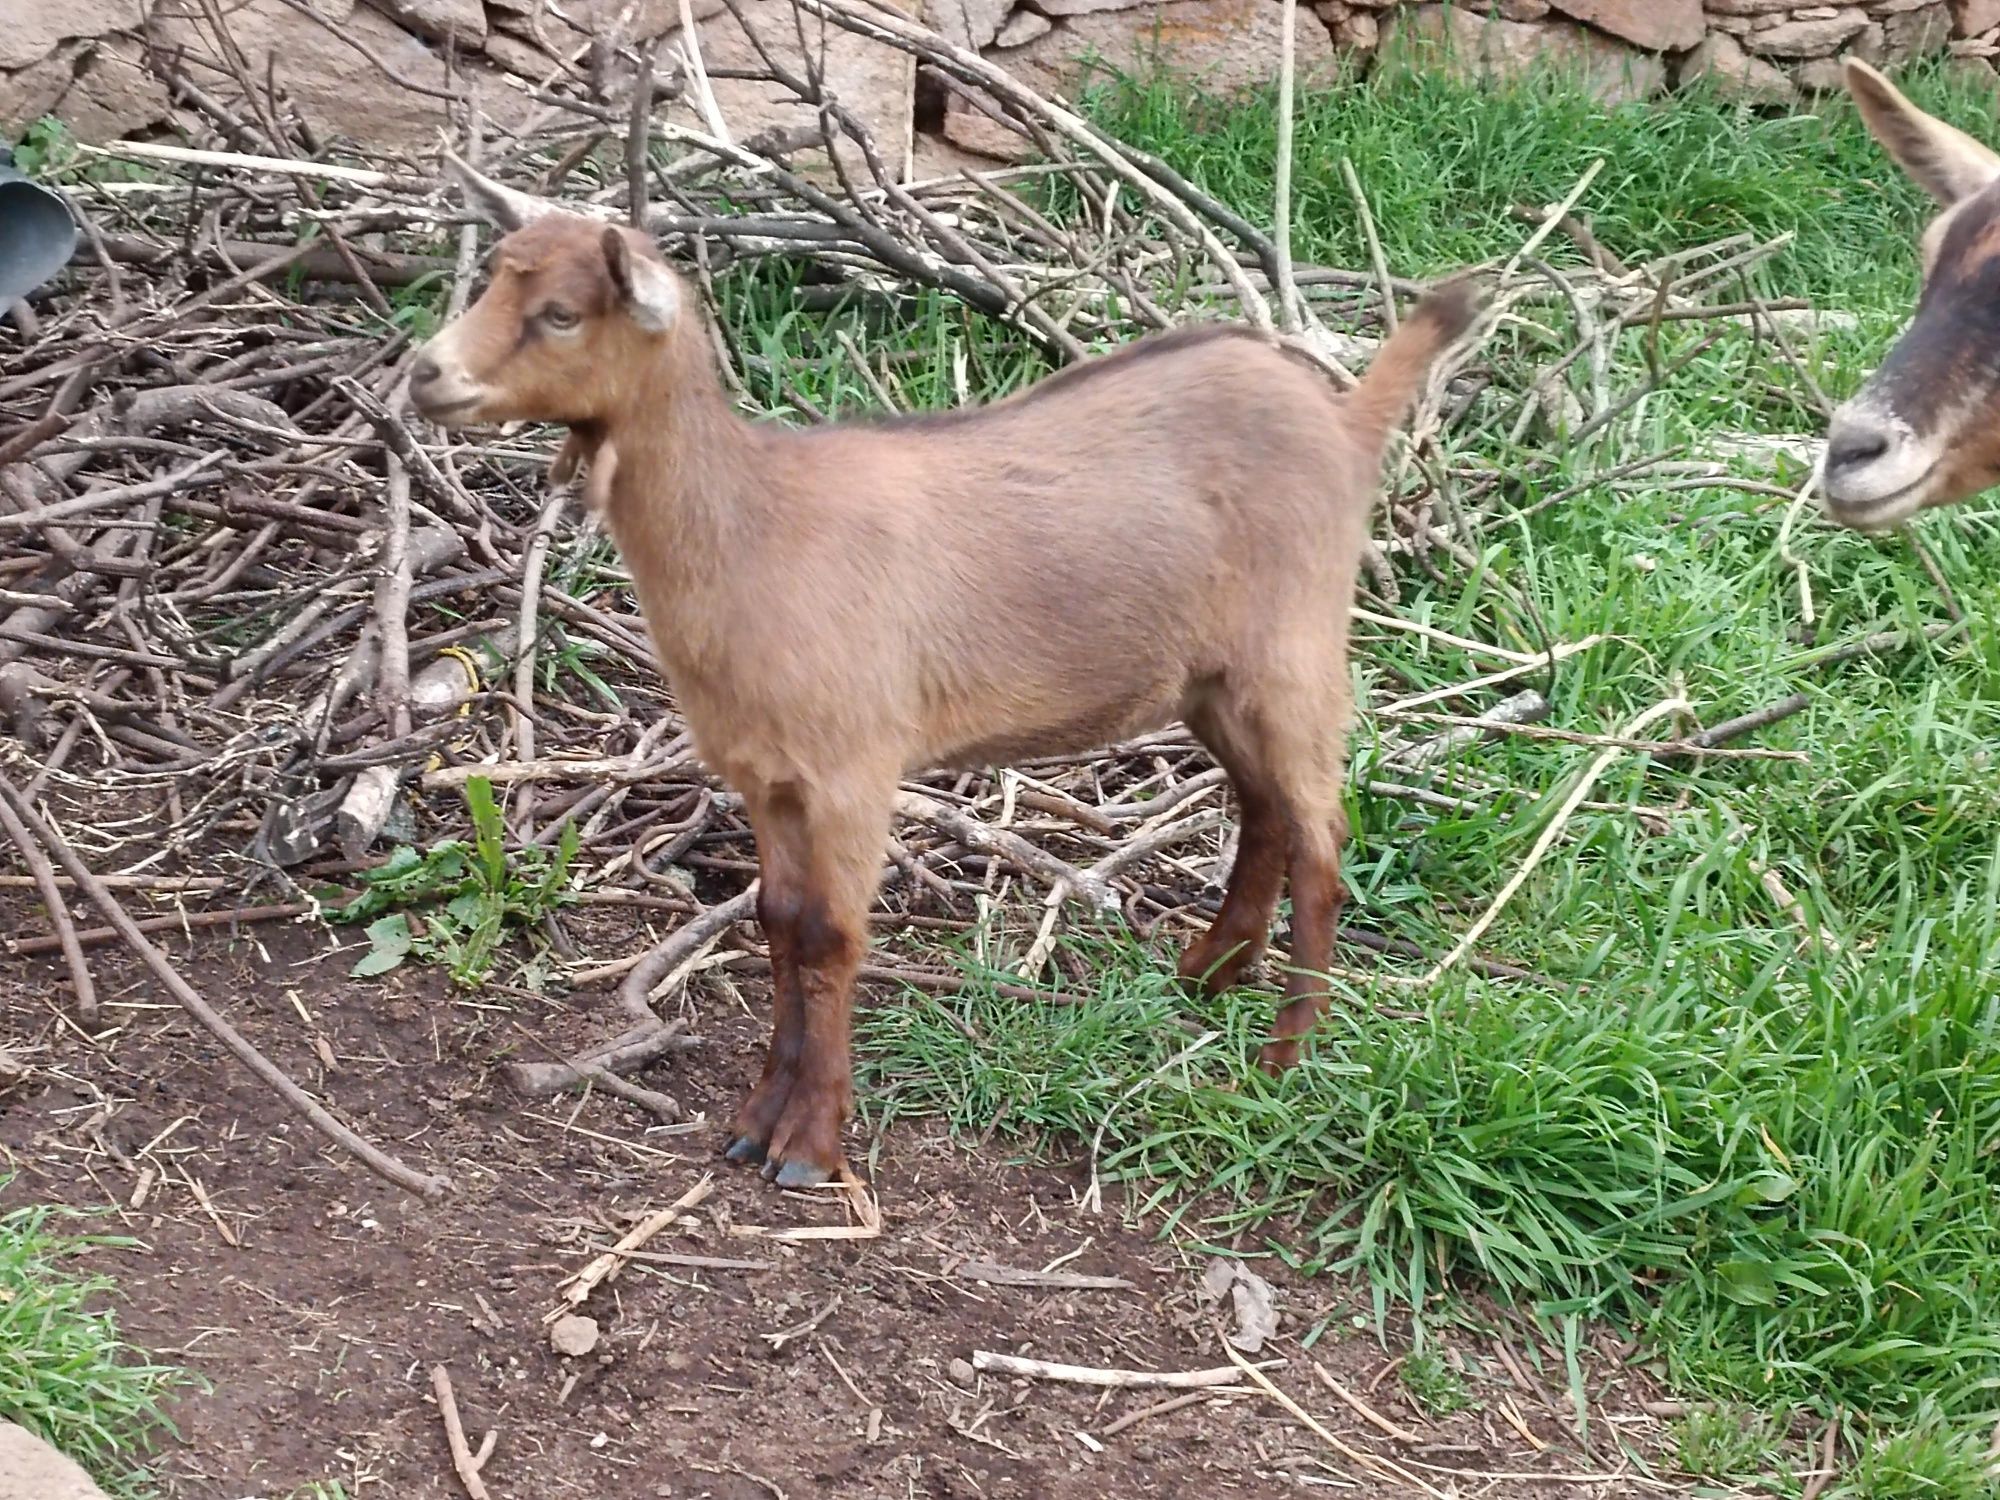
[1748,1282]
[389,945]
[489,832]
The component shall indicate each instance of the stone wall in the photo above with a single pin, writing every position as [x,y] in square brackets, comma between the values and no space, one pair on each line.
[381,71]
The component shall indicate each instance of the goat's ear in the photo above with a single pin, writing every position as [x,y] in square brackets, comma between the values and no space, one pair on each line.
[647,288]
[494,202]
[1943,160]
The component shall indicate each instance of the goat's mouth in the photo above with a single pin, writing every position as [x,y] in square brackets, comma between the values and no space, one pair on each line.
[1881,512]
[449,413]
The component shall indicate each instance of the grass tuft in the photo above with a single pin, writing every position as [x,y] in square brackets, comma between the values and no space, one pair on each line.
[65,1373]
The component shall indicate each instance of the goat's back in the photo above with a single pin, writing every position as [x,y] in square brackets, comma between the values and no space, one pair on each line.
[1066,566]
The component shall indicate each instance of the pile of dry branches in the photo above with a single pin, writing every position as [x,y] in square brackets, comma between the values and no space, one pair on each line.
[256,621]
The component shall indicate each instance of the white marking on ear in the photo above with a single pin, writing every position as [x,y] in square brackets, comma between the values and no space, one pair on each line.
[652,296]
[495,202]
[1942,159]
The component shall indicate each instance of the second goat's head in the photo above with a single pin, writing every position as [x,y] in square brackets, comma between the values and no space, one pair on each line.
[574,307]
[1924,430]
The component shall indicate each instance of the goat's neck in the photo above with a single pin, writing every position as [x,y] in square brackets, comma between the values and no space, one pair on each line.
[673,455]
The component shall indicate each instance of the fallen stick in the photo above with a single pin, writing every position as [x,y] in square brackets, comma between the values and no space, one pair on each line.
[649,1037]
[66,937]
[1172,1380]
[1172,1403]
[1385,1468]
[603,1267]
[462,1457]
[92,937]
[1068,1281]
[626,1053]
[1363,1410]
[378,1161]
[1557,823]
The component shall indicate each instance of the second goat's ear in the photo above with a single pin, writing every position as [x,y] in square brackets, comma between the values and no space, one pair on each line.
[495,202]
[1943,160]
[646,287]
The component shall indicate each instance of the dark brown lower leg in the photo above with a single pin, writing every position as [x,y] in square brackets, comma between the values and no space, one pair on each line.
[778,912]
[843,830]
[1317,897]
[805,1144]
[1235,939]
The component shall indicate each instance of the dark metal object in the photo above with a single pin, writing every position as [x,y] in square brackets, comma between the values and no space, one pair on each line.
[37,232]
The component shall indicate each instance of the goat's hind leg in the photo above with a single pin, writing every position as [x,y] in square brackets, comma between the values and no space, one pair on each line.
[1235,939]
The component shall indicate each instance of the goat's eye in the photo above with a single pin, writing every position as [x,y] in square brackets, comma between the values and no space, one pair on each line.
[561,319]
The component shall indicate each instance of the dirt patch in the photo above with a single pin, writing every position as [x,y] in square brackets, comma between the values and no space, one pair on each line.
[317,1300]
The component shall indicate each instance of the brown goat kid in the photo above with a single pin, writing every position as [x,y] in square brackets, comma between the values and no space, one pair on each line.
[1924,430]
[1170,531]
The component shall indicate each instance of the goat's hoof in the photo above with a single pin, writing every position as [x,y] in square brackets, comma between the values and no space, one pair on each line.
[1277,1057]
[796,1174]
[744,1150]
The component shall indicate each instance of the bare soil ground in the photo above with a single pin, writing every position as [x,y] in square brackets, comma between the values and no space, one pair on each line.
[317,1300]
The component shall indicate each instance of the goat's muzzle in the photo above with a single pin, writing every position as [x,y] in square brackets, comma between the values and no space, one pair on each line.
[439,392]
[1877,470]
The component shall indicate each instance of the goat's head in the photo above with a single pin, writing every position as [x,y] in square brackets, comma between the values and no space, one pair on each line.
[1925,428]
[574,310]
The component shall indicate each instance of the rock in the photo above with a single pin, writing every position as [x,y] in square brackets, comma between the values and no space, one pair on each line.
[1820,75]
[1973,71]
[34,28]
[973,130]
[877,82]
[1751,8]
[1735,73]
[1477,48]
[968,23]
[100,89]
[1817,33]
[573,1336]
[1023,27]
[31,1470]
[1974,17]
[1523,10]
[521,58]
[1086,7]
[1360,32]
[1916,32]
[1656,25]
[340,91]
[1222,44]
[440,20]
[961,1373]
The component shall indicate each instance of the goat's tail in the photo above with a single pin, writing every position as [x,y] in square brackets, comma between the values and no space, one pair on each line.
[1390,385]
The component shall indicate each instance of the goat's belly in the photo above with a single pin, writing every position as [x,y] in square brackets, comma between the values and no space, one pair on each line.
[1090,729]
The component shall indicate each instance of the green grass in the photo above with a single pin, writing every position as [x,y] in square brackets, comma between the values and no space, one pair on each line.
[65,1372]
[1775,1158]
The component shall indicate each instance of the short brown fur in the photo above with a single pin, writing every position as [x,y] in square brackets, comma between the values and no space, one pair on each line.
[1168,532]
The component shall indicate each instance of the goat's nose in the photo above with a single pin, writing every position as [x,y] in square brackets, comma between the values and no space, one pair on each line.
[1856,440]
[424,371]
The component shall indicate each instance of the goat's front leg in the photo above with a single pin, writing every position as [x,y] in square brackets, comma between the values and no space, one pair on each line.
[780,895]
[825,847]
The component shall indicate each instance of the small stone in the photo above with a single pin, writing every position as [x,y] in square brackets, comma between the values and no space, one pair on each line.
[30,1467]
[574,1336]
[961,1374]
